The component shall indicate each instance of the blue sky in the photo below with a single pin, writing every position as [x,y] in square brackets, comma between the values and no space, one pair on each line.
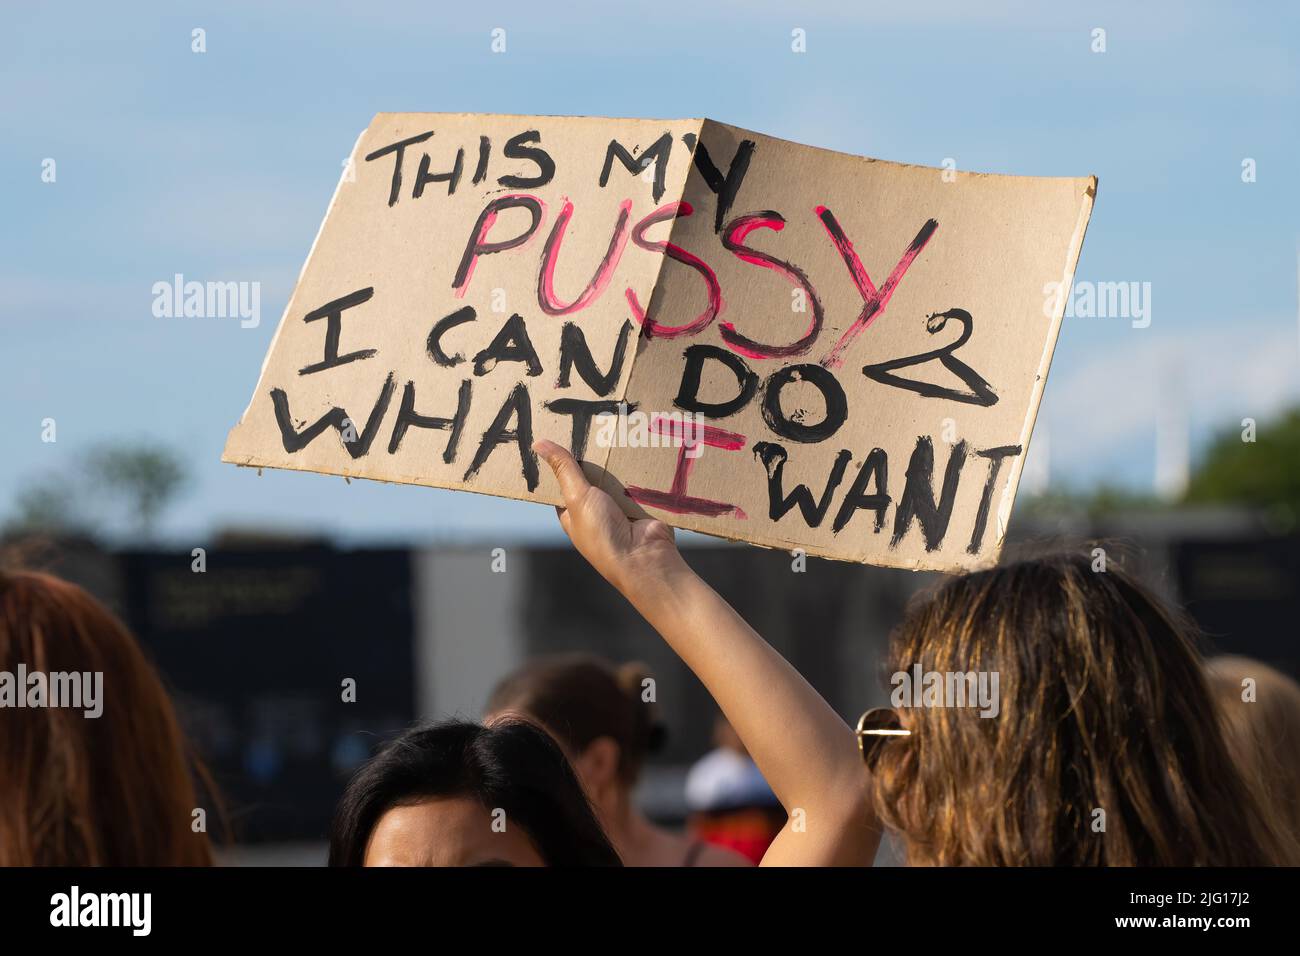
[220,165]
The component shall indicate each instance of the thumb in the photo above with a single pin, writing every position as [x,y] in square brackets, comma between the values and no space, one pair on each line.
[573,483]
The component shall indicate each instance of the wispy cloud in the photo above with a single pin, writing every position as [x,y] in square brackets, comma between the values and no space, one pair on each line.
[1097,411]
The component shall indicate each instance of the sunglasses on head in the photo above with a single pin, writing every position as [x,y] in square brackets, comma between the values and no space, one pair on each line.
[876,728]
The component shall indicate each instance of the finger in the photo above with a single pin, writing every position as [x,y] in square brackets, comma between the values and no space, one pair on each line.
[573,483]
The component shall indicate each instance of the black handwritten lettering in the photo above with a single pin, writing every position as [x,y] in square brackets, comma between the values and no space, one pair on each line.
[574,353]
[452,177]
[583,411]
[407,418]
[518,407]
[395,189]
[511,344]
[875,467]
[837,403]
[441,328]
[332,312]
[917,501]
[515,148]
[724,187]
[995,457]
[657,153]
[689,391]
[484,152]
[337,418]
[774,457]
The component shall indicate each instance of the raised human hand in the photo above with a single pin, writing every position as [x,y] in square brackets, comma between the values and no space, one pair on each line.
[626,551]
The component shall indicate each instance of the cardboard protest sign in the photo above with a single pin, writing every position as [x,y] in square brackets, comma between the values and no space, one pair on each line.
[737,334]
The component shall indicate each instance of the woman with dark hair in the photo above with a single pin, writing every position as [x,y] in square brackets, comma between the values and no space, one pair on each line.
[106,782]
[606,724]
[1100,745]
[462,794]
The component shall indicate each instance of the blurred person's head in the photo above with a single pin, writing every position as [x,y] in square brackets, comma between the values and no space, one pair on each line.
[607,724]
[730,803]
[463,794]
[595,710]
[114,789]
[1104,749]
[1260,707]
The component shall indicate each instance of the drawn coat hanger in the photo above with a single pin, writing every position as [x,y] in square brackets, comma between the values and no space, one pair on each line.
[979,391]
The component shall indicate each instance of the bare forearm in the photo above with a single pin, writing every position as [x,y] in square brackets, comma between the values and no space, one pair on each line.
[805,751]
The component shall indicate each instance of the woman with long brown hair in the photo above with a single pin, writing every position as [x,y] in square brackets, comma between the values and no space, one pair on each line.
[106,782]
[1097,744]
[1107,750]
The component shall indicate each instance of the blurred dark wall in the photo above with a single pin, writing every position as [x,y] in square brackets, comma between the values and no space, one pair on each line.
[256,650]
[1245,595]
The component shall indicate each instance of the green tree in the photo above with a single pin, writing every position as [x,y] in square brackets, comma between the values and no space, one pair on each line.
[49,506]
[1263,473]
[1103,499]
[145,477]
